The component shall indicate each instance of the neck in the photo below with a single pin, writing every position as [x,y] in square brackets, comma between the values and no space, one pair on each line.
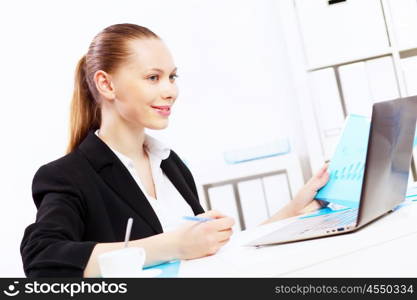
[123,138]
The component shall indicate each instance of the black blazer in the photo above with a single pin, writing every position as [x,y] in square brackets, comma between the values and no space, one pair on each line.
[85,198]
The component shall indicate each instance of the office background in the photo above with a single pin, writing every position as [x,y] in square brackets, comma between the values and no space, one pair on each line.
[266,82]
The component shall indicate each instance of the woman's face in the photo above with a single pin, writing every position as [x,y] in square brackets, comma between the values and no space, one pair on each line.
[145,85]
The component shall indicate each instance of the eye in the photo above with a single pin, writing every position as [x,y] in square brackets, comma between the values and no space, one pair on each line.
[173,77]
[153,77]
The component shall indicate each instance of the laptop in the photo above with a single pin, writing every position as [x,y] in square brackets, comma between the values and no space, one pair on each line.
[382,187]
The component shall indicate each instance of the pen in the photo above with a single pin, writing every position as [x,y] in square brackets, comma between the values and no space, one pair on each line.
[198,219]
[128,229]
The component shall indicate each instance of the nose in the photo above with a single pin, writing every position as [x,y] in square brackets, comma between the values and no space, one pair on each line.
[169,91]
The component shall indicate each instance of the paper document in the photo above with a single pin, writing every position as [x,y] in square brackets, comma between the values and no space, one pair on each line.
[347,164]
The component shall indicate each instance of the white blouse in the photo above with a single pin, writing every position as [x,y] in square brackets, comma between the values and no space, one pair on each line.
[169,206]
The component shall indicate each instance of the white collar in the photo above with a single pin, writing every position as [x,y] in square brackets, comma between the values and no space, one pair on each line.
[153,146]
[156,147]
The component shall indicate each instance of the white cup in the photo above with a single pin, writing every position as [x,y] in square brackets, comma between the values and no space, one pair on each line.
[125,262]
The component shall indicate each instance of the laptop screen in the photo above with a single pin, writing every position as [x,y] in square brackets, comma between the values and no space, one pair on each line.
[347,164]
[388,160]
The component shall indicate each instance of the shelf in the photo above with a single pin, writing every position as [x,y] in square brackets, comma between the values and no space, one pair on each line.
[409,52]
[382,53]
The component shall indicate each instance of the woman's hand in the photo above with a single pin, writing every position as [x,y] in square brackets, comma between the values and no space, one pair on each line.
[303,201]
[197,239]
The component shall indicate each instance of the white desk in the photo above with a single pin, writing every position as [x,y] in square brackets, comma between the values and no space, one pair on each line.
[385,248]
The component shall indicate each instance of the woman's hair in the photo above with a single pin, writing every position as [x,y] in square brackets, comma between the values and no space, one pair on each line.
[108,50]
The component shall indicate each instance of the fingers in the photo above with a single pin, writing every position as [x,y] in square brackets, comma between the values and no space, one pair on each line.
[323,170]
[212,214]
[222,223]
[322,176]
[224,235]
[325,178]
[312,206]
[218,245]
[222,243]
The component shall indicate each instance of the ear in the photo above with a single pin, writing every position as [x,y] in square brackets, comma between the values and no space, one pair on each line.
[104,85]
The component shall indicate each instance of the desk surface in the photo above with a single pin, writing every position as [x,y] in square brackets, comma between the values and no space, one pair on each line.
[384,248]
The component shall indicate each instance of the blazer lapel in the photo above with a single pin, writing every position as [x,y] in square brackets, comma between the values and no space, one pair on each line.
[174,174]
[115,174]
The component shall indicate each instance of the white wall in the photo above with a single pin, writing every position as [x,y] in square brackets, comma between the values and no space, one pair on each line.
[235,87]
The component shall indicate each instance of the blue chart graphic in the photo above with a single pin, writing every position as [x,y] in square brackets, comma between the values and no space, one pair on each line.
[348,164]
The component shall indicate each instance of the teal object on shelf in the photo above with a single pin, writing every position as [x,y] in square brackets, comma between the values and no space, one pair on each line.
[269,149]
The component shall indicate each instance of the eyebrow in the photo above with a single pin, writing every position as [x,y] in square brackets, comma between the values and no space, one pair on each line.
[162,71]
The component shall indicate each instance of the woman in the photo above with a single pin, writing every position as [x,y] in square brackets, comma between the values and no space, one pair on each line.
[113,170]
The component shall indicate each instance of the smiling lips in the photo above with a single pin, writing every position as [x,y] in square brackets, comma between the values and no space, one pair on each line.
[164,110]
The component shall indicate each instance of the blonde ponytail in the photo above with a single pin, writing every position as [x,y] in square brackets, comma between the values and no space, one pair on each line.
[85,111]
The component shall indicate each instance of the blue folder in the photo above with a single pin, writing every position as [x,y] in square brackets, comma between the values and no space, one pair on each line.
[347,164]
[169,269]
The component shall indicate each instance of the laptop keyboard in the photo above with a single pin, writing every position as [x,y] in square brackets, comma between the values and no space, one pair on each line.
[329,222]
[311,226]
[332,222]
